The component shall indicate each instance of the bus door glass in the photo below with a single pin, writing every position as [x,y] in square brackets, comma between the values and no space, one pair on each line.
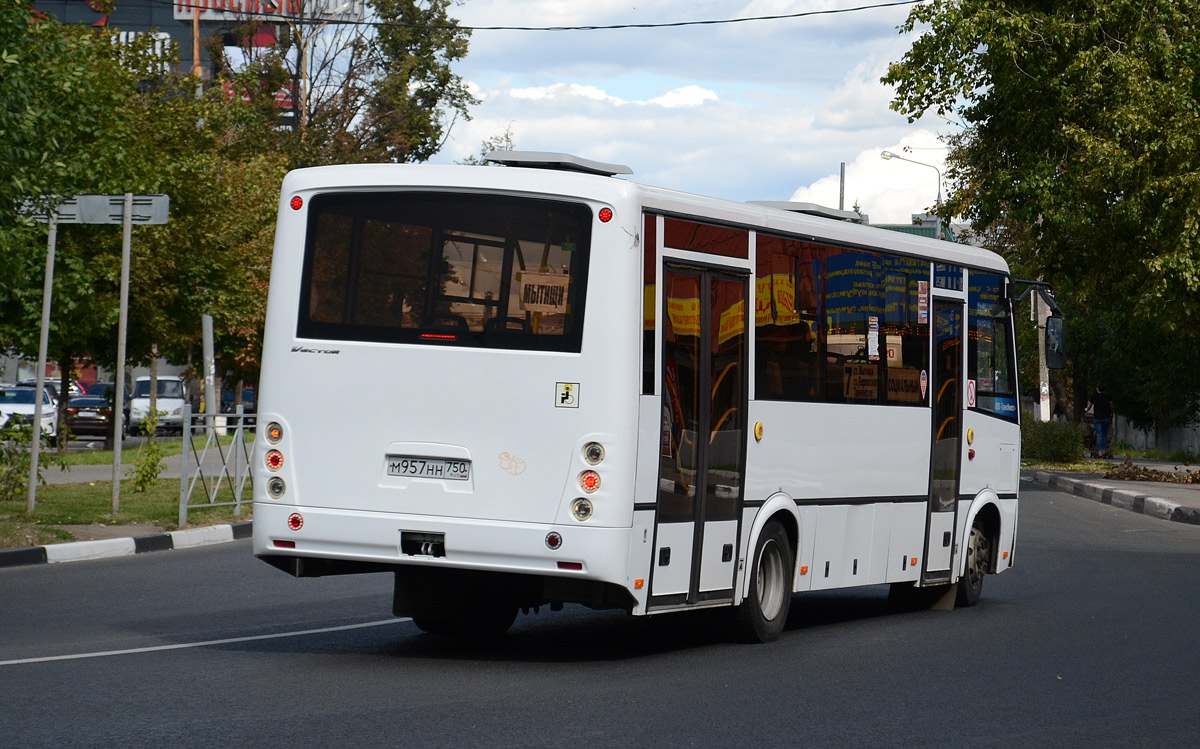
[702,454]
[947,427]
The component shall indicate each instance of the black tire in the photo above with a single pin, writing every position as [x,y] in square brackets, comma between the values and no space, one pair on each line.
[763,614]
[979,563]
[482,621]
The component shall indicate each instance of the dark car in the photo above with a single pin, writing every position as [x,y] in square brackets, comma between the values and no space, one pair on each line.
[89,415]
[100,389]
[248,400]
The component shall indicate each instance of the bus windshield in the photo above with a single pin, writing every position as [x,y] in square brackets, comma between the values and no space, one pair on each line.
[446,268]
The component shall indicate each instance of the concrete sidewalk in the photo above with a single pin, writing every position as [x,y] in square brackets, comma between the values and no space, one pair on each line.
[1160,499]
[88,474]
[108,548]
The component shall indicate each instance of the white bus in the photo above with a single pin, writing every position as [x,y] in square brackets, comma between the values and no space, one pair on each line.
[543,383]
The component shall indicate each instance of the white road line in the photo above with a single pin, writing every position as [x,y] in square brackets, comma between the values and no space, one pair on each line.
[183,645]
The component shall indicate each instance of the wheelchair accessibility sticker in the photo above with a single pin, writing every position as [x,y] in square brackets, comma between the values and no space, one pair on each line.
[566,395]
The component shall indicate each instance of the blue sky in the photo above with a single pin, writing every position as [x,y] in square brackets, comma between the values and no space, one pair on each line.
[763,110]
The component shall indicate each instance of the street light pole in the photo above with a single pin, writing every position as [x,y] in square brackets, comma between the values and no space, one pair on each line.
[888,156]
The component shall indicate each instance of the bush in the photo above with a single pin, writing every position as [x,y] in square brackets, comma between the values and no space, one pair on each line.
[1051,441]
[148,463]
[15,437]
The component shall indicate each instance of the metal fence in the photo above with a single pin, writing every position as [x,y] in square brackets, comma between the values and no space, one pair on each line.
[216,454]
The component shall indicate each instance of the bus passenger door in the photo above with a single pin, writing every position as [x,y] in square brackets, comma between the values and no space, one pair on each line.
[947,427]
[702,452]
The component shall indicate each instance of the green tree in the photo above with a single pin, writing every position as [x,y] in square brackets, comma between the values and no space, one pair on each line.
[60,100]
[1078,146]
[500,142]
[366,93]
[62,120]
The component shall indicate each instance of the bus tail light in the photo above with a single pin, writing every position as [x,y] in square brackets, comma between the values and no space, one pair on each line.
[581,508]
[589,481]
[295,521]
[274,460]
[553,541]
[570,565]
[274,433]
[276,487]
[593,453]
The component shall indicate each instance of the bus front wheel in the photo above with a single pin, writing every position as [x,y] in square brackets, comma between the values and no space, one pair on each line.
[979,561]
[763,613]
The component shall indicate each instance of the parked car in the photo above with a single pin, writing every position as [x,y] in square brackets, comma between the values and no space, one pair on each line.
[172,395]
[248,401]
[51,384]
[89,416]
[100,389]
[20,402]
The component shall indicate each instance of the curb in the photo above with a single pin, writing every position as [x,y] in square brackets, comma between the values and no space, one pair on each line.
[107,548]
[1163,509]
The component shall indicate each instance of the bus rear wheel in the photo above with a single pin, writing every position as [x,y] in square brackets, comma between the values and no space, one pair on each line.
[763,614]
[979,562]
[481,621]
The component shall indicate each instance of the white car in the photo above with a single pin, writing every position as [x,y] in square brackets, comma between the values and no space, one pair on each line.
[20,401]
[172,395]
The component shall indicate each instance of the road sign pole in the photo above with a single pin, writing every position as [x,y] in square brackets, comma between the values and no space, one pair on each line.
[123,321]
[43,344]
[92,209]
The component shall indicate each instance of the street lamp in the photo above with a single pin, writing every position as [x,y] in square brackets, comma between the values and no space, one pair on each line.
[888,156]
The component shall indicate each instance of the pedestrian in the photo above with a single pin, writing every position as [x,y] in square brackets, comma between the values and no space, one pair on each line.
[1100,406]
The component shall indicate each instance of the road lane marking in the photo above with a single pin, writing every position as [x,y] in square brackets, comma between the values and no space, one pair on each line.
[205,643]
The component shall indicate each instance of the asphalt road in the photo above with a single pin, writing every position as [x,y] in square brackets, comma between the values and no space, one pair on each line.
[1090,640]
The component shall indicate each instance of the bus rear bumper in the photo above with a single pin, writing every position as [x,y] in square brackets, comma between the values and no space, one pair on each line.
[370,540]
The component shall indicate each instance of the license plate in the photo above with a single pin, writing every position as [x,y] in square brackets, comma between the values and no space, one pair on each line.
[414,466]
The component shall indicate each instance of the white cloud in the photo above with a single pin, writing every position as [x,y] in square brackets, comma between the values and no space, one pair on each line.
[562,91]
[688,96]
[888,191]
[745,111]
[860,101]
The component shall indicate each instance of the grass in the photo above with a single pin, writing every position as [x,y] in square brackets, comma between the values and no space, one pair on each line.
[1155,453]
[170,446]
[1086,465]
[1120,451]
[91,503]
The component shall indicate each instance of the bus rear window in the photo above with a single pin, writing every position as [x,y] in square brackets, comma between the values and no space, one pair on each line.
[446,269]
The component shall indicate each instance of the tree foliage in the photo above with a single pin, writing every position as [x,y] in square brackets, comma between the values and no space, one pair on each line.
[1079,150]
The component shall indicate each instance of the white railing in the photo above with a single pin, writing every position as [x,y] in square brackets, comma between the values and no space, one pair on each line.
[209,461]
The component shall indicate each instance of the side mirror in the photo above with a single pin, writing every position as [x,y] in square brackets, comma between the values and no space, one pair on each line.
[1056,342]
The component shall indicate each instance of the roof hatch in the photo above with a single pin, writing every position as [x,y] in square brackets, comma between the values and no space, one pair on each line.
[812,209]
[550,160]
